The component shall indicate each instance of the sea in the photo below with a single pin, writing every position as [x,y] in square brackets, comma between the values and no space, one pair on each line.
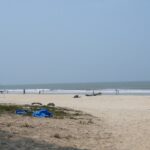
[107,88]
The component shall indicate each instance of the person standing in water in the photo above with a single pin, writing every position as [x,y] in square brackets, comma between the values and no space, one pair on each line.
[117,92]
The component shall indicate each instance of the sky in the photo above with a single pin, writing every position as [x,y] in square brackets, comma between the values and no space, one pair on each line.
[63,41]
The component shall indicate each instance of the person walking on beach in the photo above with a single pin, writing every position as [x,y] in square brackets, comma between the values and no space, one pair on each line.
[24,91]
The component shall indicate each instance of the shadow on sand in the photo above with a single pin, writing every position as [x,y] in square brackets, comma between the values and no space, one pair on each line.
[9,141]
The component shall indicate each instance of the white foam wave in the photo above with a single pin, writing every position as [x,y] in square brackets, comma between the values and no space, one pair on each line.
[60,91]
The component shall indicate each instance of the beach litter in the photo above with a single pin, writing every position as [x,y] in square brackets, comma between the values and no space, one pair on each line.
[21,112]
[42,113]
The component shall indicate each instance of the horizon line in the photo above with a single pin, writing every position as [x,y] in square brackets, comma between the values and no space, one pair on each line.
[73,83]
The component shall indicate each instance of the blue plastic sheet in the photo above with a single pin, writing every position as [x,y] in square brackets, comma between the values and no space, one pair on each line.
[21,112]
[42,113]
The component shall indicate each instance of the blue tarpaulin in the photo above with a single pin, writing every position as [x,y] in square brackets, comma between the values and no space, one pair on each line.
[42,113]
[21,112]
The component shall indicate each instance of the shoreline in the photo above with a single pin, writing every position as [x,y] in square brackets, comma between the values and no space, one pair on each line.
[136,92]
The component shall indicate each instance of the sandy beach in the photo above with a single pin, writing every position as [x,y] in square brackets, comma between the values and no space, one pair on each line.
[125,118]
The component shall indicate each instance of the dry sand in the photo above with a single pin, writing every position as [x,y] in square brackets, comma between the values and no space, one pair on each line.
[126,119]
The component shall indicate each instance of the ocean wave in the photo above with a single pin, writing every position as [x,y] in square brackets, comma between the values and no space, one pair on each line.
[61,91]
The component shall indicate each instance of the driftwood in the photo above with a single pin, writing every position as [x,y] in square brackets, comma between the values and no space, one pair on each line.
[76,96]
[51,104]
[93,94]
[36,104]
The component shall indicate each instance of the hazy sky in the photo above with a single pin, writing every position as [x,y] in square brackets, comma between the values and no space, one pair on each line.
[44,41]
